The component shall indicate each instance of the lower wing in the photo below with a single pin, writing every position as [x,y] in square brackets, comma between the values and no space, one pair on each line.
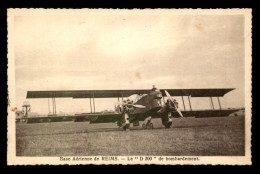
[113,117]
[205,113]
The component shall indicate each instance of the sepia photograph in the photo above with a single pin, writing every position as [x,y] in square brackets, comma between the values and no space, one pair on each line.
[107,86]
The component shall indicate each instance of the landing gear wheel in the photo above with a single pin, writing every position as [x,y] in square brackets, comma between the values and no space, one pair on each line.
[150,126]
[168,125]
[126,127]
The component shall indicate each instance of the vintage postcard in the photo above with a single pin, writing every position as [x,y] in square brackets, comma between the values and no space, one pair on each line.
[119,86]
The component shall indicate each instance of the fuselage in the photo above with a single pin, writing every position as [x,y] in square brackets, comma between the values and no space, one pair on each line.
[151,101]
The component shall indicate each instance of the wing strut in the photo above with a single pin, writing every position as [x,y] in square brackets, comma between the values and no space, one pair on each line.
[122,97]
[94,103]
[183,103]
[219,104]
[90,104]
[49,106]
[212,103]
[189,102]
[53,106]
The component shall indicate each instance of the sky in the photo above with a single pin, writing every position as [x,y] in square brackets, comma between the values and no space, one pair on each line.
[84,52]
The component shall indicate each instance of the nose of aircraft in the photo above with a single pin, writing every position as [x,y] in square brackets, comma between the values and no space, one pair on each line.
[158,95]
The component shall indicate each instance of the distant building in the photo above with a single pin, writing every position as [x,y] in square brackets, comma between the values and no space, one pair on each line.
[19,116]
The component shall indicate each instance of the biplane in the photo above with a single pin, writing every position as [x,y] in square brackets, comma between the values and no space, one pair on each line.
[148,104]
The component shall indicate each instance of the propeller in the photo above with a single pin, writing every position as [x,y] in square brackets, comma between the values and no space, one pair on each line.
[170,98]
[139,106]
[127,104]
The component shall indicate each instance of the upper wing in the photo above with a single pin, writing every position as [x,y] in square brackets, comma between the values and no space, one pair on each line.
[217,92]
[211,92]
[84,93]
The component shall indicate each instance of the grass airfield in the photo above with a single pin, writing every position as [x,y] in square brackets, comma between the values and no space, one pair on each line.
[215,136]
